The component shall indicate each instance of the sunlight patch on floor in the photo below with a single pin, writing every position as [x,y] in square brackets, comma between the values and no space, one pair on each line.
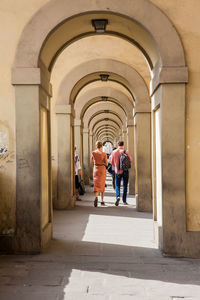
[122,285]
[133,232]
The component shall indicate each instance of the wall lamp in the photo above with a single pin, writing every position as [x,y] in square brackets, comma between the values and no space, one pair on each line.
[104,98]
[104,77]
[100,25]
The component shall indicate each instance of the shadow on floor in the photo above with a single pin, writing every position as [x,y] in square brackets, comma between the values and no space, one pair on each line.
[76,264]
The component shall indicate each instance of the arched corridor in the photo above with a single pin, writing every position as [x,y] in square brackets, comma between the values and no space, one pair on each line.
[106,71]
[32,75]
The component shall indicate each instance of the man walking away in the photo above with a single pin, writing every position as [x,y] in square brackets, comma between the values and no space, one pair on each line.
[121,160]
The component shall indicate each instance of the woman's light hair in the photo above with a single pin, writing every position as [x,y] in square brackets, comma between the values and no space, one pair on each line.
[99,144]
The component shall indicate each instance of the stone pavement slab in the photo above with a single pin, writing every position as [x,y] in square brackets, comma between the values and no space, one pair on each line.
[104,253]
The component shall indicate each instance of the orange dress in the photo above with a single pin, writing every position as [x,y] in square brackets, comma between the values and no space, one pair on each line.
[99,173]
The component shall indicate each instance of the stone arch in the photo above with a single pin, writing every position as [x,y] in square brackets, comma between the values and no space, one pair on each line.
[107,107]
[90,121]
[110,123]
[38,30]
[110,116]
[101,118]
[105,139]
[103,130]
[82,102]
[89,71]
[104,135]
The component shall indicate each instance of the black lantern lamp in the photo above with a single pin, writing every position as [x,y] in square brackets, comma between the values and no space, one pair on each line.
[100,25]
[104,77]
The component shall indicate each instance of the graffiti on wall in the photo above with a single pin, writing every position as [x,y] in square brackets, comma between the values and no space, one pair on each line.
[6,156]
[3,143]
[3,149]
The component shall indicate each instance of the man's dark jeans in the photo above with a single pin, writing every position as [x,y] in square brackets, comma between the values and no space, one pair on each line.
[118,177]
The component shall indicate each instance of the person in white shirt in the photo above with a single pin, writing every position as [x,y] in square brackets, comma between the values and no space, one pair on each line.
[77,174]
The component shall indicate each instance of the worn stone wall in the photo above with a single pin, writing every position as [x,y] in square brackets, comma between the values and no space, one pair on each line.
[13,18]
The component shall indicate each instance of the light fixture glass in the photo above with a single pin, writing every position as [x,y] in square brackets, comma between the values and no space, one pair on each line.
[100,25]
[104,77]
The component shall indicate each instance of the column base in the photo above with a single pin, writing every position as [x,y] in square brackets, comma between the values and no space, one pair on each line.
[26,244]
[158,236]
[65,205]
[143,204]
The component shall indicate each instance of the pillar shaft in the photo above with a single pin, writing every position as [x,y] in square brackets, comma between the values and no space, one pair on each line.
[78,139]
[33,170]
[90,152]
[131,151]
[86,155]
[176,240]
[65,158]
[125,139]
[143,156]
[78,136]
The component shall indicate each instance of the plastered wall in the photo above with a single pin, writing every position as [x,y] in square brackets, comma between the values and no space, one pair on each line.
[13,17]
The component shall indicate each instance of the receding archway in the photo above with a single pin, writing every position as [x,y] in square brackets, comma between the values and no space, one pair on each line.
[166,56]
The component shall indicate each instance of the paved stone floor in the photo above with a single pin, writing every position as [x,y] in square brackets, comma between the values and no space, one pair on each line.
[104,253]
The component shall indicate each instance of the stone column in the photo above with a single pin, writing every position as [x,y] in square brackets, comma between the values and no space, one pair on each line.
[78,136]
[65,157]
[131,151]
[120,135]
[78,139]
[86,155]
[28,167]
[125,138]
[90,153]
[94,142]
[143,156]
[115,142]
[33,162]
[135,160]
[172,173]
[174,237]
[169,182]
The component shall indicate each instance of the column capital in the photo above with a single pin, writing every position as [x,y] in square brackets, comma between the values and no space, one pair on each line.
[63,109]
[32,76]
[164,75]
[85,130]
[130,123]
[142,108]
[25,76]
[77,122]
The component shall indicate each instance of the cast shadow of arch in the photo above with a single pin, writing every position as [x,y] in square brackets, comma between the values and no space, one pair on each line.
[51,273]
[113,259]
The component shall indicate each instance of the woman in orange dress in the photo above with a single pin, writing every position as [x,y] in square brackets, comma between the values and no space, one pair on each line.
[100,161]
